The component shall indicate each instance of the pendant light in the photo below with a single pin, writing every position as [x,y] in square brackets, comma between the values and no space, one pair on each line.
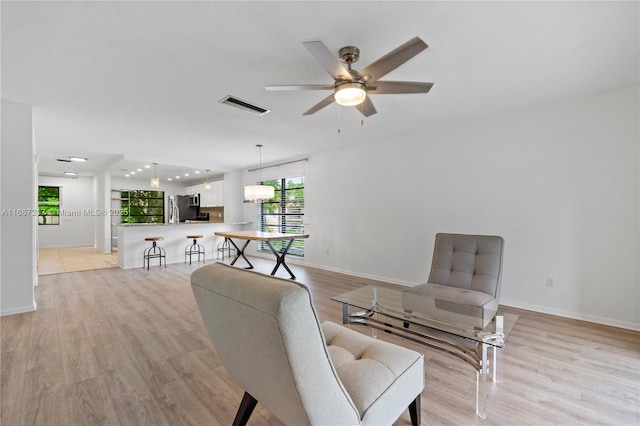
[155,180]
[258,193]
[207,184]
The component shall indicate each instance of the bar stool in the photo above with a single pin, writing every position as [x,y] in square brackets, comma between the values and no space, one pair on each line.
[155,251]
[194,248]
[225,246]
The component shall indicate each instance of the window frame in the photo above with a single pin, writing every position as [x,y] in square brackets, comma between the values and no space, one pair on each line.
[289,213]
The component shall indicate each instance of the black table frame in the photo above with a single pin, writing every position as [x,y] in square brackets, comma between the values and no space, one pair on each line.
[280,257]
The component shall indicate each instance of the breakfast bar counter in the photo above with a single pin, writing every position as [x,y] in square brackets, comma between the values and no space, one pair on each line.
[131,243]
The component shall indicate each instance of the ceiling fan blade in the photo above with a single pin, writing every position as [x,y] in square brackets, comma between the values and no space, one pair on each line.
[366,108]
[317,107]
[330,63]
[393,59]
[300,87]
[390,87]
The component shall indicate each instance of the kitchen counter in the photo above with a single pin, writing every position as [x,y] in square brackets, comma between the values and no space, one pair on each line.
[131,243]
[187,222]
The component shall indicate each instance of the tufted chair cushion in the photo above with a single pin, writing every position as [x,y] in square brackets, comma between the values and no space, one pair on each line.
[472,262]
[374,373]
[465,277]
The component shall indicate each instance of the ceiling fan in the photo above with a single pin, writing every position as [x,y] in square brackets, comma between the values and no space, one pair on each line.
[350,87]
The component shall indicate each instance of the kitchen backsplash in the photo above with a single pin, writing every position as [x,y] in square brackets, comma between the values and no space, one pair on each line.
[216,214]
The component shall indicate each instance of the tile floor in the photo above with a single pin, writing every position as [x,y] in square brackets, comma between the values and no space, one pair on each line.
[58,260]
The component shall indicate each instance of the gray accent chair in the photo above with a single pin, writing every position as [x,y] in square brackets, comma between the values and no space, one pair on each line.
[465,278]
[266,332]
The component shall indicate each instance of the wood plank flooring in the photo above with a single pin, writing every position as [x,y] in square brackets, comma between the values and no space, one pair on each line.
[116,347]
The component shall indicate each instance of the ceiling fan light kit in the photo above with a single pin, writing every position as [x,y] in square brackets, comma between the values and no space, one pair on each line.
[350,86]
[350,94]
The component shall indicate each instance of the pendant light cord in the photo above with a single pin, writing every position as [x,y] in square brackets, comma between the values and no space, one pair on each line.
[260,159]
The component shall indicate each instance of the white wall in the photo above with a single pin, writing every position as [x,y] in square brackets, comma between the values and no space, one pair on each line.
[77,219]
[233,193]
[102,201]
[17,197]
[559,182]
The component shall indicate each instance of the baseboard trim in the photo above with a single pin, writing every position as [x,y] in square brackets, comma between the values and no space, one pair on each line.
[19,310]
[573,315]
[356,274]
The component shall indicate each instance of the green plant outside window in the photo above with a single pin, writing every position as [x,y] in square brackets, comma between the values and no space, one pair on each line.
[142,206]
[284,213]
[48,205]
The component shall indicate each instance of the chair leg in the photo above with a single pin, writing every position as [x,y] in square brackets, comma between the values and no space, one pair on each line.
[414,411]
[244,411]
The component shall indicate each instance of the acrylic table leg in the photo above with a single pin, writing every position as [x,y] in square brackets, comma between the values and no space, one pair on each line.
[497,364]
[481,394]
[482,379]
[345,312]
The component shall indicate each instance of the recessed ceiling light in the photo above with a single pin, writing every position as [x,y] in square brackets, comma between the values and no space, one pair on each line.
[71,173]
[177,177]
[139,170]
[126,175]
[146,166]
[132,172]
[197,172]
[169,179]
[186,174]
[74,158]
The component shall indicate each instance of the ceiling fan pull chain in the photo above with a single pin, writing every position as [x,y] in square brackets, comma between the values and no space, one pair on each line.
[339,117]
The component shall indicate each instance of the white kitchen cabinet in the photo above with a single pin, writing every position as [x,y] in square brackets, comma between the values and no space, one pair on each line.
[213,198]
[206,198]
[194,189]
[190,190]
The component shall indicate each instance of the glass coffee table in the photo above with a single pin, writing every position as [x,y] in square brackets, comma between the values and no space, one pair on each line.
[457,330]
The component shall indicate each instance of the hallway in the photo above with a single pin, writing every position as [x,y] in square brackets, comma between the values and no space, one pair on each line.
[74,259]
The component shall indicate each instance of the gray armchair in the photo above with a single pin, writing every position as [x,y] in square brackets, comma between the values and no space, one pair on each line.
[465,278]
[267,335]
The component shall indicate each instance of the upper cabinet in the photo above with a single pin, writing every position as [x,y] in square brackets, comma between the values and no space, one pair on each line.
[194,189]
[213,198]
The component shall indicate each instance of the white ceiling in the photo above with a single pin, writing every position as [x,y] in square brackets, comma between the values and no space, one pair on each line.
[131,83]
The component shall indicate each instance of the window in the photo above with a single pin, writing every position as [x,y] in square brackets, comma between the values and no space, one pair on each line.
[140,206]
[48,205]
[284,213]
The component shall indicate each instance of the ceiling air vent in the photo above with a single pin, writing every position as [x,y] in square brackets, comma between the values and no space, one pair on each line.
[239,103]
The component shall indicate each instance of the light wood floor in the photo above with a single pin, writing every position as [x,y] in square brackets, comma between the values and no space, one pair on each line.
[74,259]
[116,347]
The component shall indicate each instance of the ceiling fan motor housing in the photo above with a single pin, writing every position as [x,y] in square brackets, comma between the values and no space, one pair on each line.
[349,54]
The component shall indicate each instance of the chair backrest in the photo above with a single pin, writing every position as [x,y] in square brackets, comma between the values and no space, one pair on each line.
[266,332]
[473,262]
